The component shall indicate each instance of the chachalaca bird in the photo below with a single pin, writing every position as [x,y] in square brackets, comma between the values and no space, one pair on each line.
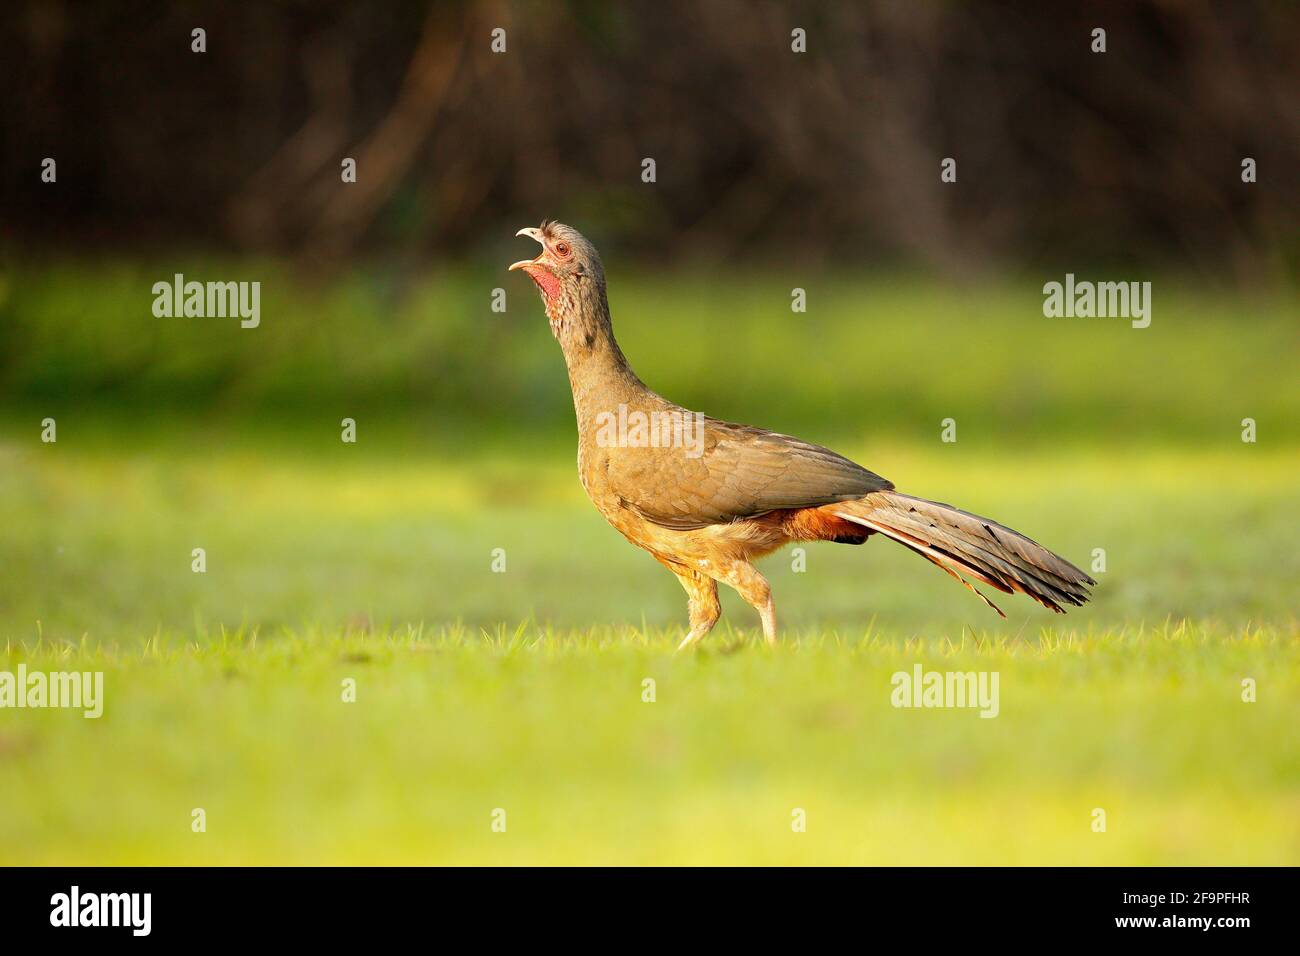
[706,497]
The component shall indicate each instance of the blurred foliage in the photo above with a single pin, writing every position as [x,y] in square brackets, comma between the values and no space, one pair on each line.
[1065,157]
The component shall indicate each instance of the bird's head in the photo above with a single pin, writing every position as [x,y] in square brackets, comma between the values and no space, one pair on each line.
[568,274]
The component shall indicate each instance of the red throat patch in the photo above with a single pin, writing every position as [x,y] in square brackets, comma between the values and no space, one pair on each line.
[546,281]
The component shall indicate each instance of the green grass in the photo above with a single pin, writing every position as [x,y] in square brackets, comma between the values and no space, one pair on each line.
[523,690]
[450,725]
[99,540]
[873,357]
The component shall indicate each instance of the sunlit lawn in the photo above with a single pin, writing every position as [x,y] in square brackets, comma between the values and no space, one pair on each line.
[448,728]
[523,690]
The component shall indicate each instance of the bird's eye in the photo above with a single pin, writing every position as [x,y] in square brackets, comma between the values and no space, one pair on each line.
[562,248]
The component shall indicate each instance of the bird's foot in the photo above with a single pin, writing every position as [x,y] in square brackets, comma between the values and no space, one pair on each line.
[768,615]
[690,640]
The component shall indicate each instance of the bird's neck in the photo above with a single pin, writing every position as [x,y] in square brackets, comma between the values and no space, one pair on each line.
[599,374]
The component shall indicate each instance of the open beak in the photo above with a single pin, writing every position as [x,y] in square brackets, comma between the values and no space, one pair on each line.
[531,233]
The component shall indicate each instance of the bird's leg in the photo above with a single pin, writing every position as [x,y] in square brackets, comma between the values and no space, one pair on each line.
[704,607]
[753,587]
[767,613]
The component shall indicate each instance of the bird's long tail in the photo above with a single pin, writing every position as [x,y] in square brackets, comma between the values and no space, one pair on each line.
[966,545]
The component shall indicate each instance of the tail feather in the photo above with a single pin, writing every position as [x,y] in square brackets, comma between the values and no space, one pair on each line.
[964,543]
[1013,567]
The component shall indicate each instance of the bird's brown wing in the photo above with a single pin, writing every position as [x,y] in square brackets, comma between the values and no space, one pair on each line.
[742,472]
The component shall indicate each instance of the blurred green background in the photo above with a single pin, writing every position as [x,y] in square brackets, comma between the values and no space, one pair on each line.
[523,690]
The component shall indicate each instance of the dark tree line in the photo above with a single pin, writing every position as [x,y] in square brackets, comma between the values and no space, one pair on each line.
[1063,155]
